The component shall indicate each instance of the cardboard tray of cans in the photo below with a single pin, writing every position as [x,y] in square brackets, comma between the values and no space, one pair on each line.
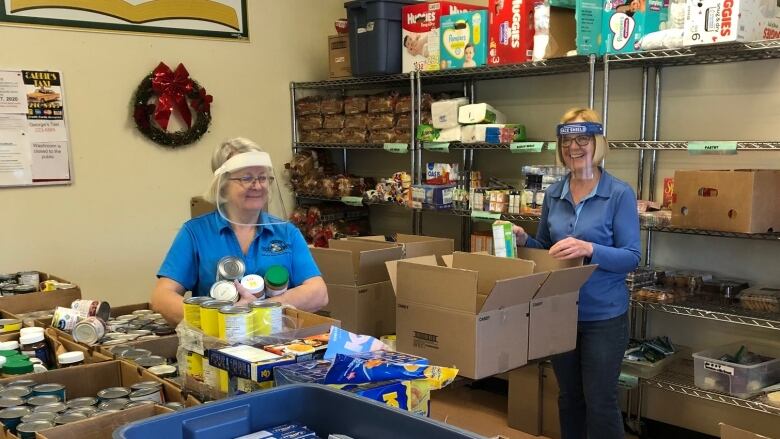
[41,300]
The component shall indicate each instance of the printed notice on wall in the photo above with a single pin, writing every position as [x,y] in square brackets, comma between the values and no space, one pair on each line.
[34,143]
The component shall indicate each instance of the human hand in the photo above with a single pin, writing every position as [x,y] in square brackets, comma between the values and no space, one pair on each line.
[244,296]
[571,248]
[520,235]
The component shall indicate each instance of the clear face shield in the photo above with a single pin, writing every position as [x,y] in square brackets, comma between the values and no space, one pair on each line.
[246,191]
[580,148]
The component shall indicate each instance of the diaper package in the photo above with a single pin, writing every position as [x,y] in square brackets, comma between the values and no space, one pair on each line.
[444,114]
[480,113]
[464,40]
[617,26]
[715,21]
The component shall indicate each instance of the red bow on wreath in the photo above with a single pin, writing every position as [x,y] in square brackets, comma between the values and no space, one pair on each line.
[202,102]
[172,89]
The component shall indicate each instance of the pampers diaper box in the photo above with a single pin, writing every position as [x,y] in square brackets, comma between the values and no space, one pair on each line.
[617,26]
[420,33]
[464,40]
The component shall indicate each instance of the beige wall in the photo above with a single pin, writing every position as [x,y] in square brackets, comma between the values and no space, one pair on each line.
[110,230]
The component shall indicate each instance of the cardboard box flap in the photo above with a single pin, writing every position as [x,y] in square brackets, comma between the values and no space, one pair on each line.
[352,262]
[545,262]
[565,280]
[447,259]
[491,268]
[392,268]
[510,292]
[336,266]
[438,286]
[359,245]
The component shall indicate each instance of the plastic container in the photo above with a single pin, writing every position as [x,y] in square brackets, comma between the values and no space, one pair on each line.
[375,36]
[741,381]
[322,409]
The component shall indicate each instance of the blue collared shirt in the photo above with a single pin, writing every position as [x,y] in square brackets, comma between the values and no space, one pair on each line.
[203,241]
[608,219]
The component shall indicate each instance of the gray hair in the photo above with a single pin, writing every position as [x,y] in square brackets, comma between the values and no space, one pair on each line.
[225,151]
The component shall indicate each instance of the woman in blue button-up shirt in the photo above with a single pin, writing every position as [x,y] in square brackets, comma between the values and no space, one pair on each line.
[591,215]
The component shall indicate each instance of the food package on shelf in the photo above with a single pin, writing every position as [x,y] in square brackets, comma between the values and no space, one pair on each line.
[308,105]
[382,103]
[404,103]
[331,136]
[505,134]
[310,122]
[355,104]
[403,135]
[312,136]
[479,113]
[353,135]
[444,114]
[382,136]
[427,133]
[380,121]
[332,105]
[333,122]
[476,133]
[397,189]
[357,120]
[441,173]
[760,299]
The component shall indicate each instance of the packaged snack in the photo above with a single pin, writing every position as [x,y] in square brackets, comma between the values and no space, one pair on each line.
[381,121]
[333,121]
[332,105]
[441,173]
[351,370]
[355,104]
[310,122]
[344,342]
[306,349]
[358,120]
[382,103]
[308,105]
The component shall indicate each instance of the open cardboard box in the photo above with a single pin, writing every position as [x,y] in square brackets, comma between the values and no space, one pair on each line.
[117,311]
[415,245]
[199,206]
[89,379]
[729,432]
[165,346]
[487,315]
[101,427]
[359,290]
[42,300]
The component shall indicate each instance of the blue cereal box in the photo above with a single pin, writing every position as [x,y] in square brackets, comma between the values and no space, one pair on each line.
[464,40]
[617,26]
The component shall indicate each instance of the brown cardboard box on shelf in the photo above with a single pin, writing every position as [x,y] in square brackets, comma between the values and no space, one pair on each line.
[199,206]
[729,432]
[563,33]
[483,314]
[101,427]
[359,290]
[338,57]
[743,201]
[415,245]
[41,301]
[533,400]
[89,379]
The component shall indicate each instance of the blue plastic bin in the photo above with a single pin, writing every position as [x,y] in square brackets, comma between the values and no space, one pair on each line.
[324,410]
[375,36]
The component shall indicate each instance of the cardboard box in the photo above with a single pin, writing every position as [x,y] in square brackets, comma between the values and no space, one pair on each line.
[418,245]
[533,400]
[729,432]
[101,427]
[199,206]
[486,315]
[511,33]
[117,311]
[61,345]
[464,40]
[338,57]
[606,26]
[166,346]
[716,21]
[421,33]
[359,290]
[561,37]
[743,201]
[41,301]
[89,379]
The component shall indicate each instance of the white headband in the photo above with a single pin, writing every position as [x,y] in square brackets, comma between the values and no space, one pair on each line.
[245,160]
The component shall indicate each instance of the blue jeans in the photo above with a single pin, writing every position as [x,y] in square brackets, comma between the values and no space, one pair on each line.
[588,381]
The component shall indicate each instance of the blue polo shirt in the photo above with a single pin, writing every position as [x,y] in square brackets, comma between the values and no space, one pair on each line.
[203,241]
[608,219]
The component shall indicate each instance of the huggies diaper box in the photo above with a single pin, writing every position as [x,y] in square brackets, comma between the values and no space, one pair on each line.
[464,40]
[617,26]
[715,21]
[421,36]
[511,31]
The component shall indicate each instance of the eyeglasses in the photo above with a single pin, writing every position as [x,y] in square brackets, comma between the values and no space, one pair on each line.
[579,140]
[247,180]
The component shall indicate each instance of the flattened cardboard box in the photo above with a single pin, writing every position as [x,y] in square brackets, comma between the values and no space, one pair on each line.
[486,315]
[742,201]
[415,246]
[41,301]
[359,291]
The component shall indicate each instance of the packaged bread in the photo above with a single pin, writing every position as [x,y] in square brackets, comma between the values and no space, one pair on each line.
[353,135]
[331,136]
[380,121]
[403,135]
[310,122]
[355,104]
[358,120]
[332,105]
[403,104]
[404,121]
[382,103]
[308,105]
[333,121]
[381,136]
[312,136]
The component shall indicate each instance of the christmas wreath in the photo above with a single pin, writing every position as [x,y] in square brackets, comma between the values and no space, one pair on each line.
[160,94]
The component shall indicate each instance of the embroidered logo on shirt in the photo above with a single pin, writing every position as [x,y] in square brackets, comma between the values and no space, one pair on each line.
[276,246]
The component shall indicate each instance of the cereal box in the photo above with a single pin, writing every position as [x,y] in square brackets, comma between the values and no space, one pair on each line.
[464,40]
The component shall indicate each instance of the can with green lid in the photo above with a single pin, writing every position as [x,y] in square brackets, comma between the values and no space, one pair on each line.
[277,279]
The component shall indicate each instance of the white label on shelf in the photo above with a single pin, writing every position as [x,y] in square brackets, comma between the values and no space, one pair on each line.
[716,367]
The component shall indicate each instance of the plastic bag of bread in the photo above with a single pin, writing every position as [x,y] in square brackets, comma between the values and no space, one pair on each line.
[328,187]
[332,105]
[427,100]
[380,121]
[359,120]
[308,105]
[403,104]
[353,135]
[309,136]
[381,136]
[382,103]
[333,122]
[331,136]
[403,135]
[310,122]
[355,104]
[343,186]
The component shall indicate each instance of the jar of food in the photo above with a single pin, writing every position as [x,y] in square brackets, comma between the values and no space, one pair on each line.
[276,281]
[17,366]
[30,330]
[33,346]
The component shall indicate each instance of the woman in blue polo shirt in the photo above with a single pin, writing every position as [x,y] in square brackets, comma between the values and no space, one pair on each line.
[591,215]
[242,187]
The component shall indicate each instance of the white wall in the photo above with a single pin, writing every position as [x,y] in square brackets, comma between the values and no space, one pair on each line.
[110,230]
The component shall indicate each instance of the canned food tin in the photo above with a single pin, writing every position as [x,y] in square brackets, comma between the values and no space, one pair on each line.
[37,401]
[65,318]
[230,268]
[235,324]
[156,316]
[126,337]
[192,310]
[113,393]
[143,312]
[135,354]
[56,407]
[87,411]
[67,418]
[22,383]
[92,308]
[25,289]
[267,317]
[126,317]
[146,385]
[89,331]
[209,316]
[140,332]
[32,278]
[10,401]
[139,404]
[195,365]
[163,371]
[114,342]
[53,389]
[210,374]
[32,417]
[86,401]
[147,395]
[10,325]
[148,337]
[174,405]
[29,430]
[114,404]
[13,391]
[224,290]
[12,417]
[150,361]
[163,331]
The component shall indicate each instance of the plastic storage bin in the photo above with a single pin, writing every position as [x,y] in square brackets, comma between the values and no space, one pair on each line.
[324,410]
[742,381]
[375,36]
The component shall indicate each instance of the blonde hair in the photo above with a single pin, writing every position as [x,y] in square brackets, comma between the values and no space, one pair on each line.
[223,153]
[585,115]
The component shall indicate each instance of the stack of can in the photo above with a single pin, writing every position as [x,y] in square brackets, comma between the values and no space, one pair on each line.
[24,282]
[233,323]
[27,407]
